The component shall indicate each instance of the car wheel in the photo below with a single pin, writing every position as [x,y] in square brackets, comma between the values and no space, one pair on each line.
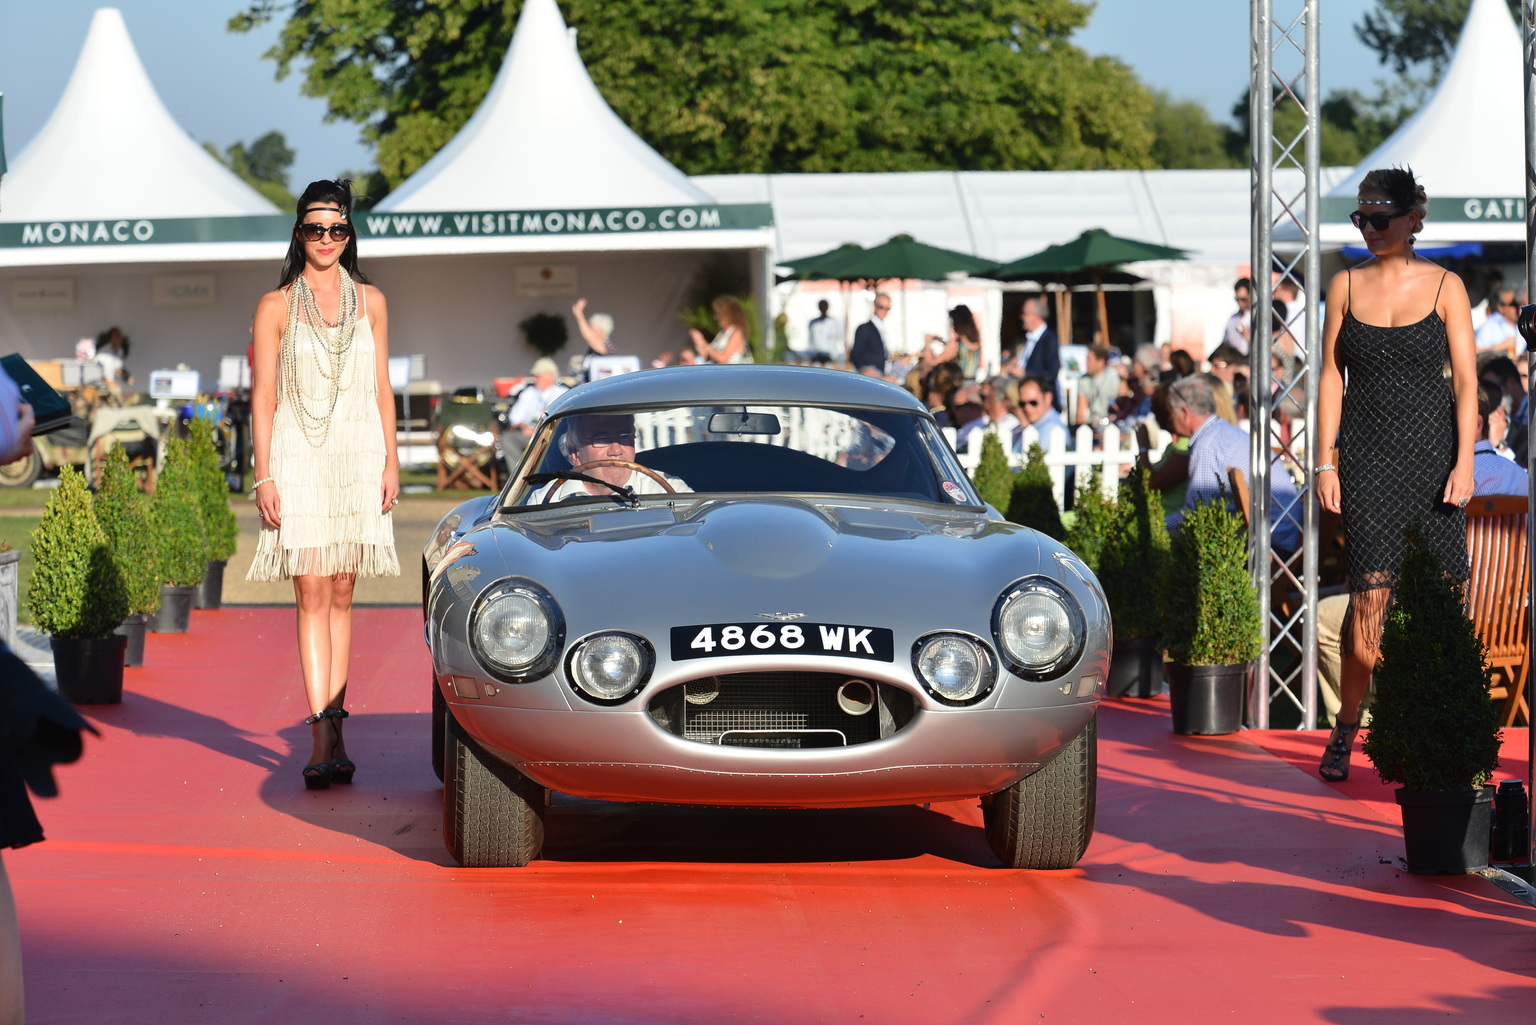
[439,718]
[22,472]
[493,815]
[1046,820]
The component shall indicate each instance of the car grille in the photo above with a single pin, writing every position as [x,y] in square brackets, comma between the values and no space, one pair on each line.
[781,710]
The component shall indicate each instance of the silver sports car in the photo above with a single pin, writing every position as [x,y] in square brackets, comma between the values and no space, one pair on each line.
[757,587]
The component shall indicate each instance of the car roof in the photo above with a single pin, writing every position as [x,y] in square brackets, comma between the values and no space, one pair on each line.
[775,385]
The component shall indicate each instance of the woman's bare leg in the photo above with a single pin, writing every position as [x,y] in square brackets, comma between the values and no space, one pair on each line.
[312,595]
[341,649]
[12,1011]
[1362,646]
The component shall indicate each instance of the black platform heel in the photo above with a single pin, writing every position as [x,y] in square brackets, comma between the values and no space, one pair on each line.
[341,768]
[318,776]
[1335,764]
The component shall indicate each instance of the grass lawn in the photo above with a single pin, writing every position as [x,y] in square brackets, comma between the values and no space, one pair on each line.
[24,498]
[16,531]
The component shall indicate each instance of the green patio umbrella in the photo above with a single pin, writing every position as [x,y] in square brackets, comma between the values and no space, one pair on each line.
[1095,253]
[827,267]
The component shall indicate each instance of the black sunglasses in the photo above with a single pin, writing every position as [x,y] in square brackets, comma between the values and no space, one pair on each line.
[316,232]
[1377,221]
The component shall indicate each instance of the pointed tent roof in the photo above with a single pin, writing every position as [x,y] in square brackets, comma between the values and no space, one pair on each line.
[544,138]
[1465,144]
[111,149]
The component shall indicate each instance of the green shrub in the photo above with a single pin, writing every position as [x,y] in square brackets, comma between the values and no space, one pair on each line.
[1433,726]
[993,477]
[1094,514]
[176,520]
[76,590]
[546,333]
[1133,562]
[124,518]
[213,490]
[1032,501]
[1211,609]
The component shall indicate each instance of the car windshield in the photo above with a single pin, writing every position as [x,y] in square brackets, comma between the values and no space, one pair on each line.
[740,448]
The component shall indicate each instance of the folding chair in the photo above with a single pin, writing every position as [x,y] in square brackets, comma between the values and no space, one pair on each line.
[466,446]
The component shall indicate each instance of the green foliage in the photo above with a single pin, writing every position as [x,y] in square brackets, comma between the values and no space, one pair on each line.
[213,491]
[1211,613]
[1408,34]
[993,477]
[1032,503]
[1133,562]
[545,332]
[1433,726]
[1351,124]
[264,165]
[765,86]
[176,520]
[1094,516]
[76,590]
[1185,135]
[702,319]
[124,518]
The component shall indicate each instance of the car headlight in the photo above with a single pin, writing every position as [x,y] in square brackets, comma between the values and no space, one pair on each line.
[954,668]
[516,630]
[608,668]
[1039,627]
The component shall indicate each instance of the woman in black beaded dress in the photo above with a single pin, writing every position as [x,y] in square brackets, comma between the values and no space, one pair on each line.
[1397,443]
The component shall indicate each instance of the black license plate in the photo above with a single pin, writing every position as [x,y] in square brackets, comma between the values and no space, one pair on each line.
[716,639]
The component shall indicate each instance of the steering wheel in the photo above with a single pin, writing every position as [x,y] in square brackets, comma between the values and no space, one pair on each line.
[658,478]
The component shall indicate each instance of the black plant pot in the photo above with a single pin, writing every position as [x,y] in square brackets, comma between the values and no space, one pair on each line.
[210,593]
[1445,832]
[1135,670]
[175,610]
[1207,700]
[134,628]
[90,669]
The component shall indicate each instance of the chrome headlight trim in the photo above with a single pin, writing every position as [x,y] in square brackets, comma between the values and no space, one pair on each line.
[517,596]
[1064,624]
[984,673]
[579,674]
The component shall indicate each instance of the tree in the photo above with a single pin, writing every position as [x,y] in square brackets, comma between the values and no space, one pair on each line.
[1351,124]
[264,165]
[1184,135]
[1417,35]
[744,85]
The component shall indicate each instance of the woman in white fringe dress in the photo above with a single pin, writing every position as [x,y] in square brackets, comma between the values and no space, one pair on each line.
[327,473]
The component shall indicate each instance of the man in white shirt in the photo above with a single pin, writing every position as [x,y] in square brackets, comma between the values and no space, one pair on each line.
[608,439]
[1240,324]
[1499,331]
[823,337]
[529,406]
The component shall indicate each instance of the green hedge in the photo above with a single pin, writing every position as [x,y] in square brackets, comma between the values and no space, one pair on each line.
[213,491]
[176,520]
[76,589]
[124,517]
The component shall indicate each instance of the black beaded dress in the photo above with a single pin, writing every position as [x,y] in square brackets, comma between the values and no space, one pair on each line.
[1397,447]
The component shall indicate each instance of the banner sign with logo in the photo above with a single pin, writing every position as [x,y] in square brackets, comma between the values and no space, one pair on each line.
[1449,209]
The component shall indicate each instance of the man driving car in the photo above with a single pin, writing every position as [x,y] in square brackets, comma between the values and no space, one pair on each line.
[607,439]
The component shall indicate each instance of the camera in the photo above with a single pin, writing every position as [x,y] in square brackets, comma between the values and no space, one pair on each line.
[1527,325]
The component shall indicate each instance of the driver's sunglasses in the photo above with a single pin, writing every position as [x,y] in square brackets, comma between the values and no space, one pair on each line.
[1378,221]
[316,232]
[603,439]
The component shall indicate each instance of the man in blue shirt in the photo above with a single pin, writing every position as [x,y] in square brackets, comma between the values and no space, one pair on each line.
[1492,474]
[1035,405]
[1214,446]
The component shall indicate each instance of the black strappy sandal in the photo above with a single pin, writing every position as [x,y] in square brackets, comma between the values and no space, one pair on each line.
[318,776]
[341,768]
[1335,764]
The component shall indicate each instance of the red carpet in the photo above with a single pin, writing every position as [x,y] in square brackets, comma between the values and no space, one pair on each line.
[188,877]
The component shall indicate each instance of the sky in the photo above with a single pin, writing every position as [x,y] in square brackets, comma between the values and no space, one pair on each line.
[216,84]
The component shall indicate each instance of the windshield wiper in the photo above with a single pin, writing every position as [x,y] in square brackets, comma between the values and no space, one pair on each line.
[621,493]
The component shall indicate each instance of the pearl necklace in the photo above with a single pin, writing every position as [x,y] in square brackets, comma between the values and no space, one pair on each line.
[332,354]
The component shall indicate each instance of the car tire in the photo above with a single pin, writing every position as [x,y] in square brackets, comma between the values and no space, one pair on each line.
[1046,820]
[439,724]
[493,815]
[22,472]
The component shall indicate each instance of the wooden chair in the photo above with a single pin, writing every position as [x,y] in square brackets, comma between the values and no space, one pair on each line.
[1496,596]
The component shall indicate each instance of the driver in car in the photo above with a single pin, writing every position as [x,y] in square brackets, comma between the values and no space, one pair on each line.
[602,446]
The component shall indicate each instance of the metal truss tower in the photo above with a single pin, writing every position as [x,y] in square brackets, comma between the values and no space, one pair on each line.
[1284,104]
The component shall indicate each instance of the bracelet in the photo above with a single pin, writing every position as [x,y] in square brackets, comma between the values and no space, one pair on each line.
[1325,466]
[264,480]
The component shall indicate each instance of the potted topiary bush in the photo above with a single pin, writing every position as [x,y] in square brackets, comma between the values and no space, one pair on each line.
[218,520]
[1434,730]
[1032,501]
[181,545]
[993,477]
[1133,566]
[546,333]
[77,596]
[1092,515]
[124,519]
[1211,620]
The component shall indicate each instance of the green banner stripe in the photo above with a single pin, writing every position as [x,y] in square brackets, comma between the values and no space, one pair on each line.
[450,224]
[1450,209]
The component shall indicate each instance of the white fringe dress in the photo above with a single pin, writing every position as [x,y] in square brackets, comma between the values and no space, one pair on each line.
[329,492]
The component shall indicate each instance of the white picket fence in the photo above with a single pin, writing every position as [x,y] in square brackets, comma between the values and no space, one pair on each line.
[1115,454]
